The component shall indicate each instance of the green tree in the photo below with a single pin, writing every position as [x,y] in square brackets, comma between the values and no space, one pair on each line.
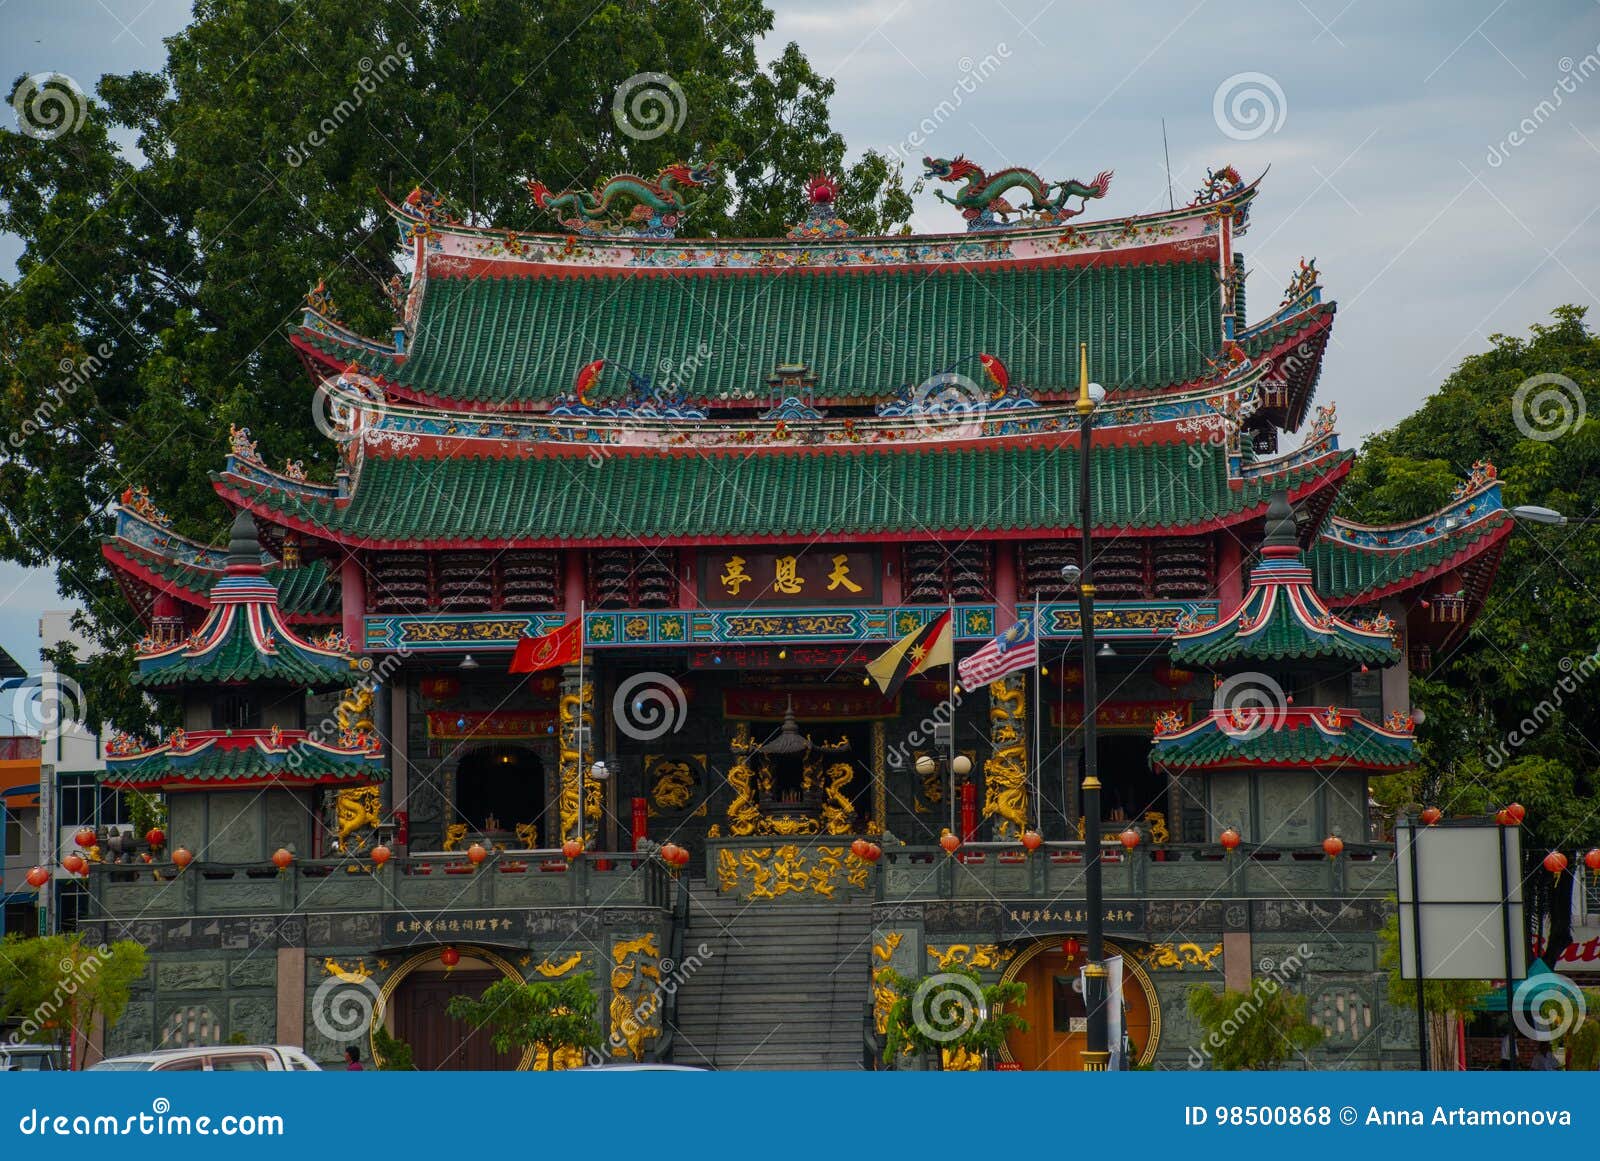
[941,1012]
[393,1052]
[547,1016]
[1253,1030]
[1511,712]
[1445,1001]
[156,282]
[54,986]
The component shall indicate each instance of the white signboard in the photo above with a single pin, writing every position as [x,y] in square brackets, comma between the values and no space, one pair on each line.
[1462,894]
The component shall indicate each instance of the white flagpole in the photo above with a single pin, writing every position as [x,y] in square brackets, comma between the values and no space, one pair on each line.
[950,719]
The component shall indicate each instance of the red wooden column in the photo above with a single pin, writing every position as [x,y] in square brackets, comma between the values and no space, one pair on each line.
[1005,587]
[353,599]
[1230,571]
[575,589]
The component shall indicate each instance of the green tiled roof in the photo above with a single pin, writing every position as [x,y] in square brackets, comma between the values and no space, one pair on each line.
[733,497]
[302,591]
[1294,741]
[865,334]
[237,659]
[248,765]
[1345,570]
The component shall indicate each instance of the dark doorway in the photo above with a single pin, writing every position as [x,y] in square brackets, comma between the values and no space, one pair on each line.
[1132,789]
[498,787]
[439,1042]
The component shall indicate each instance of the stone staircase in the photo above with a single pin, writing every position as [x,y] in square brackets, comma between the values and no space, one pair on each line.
[785,986]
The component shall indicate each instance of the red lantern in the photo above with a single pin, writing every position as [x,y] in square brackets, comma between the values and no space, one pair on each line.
[476,854]
[86,838]
[572,848]
[156,837]
[281,858]
[874,853]
[1229,839]
[38,877]
[1431,815]
[859,848]
[1592,859]
[1516,812]
[949,842]
[182,857]
[1555,862]
[683,856]
[1503,816]
[670,852]
[1333,844]
[1130,838]
[75,864]
[1071,947]
[380,854]
[1032,840]
[449,957]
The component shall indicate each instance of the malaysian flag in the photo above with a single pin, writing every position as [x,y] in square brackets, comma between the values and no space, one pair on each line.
[1016,648]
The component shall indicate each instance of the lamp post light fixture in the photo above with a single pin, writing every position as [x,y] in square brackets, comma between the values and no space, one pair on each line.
[1533,514]
[1097,1054]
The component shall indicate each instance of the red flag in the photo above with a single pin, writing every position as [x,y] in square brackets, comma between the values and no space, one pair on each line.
[588,374]
[562,647]
[996,371]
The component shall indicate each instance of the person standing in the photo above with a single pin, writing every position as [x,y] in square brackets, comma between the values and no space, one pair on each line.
[352,1059]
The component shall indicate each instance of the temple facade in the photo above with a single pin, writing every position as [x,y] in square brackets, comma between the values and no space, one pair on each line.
[742,469]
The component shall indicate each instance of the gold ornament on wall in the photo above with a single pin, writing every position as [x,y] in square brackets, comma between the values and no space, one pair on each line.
[672,780]
[1177,955]
[635,1008]
[981,956]
[1005,771]
[576,709]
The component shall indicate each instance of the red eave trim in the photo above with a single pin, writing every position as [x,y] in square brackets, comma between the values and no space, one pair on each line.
[1493,541]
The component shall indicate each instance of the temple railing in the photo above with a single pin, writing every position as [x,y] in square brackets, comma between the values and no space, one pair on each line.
[421,883]
[991,871]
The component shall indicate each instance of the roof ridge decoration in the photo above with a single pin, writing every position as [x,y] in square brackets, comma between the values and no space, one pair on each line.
[244,636]
[1223,188]
[950,396]
[659,209]
[1281,617]
[983,204]
[1473,499]
[1286,738]
[821,221]
[198,758]
[1305,279]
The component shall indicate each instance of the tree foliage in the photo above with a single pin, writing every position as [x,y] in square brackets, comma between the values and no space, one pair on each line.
[54,986]
[1511,711]
[1253,1030]
[936,1012]
[157,281]
[547,1016]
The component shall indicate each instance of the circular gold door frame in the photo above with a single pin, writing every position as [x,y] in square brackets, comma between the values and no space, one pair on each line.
[415,962]
[1129,965]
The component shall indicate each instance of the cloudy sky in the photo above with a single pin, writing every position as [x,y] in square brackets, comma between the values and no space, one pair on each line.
[1439,160]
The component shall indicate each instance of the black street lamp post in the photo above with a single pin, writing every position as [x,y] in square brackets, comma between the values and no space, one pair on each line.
[1098,1054]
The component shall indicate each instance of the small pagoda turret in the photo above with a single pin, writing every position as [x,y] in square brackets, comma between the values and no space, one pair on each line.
[1280,758]
[243,772]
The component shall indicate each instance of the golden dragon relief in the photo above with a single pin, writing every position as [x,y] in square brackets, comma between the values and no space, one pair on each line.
[573,710]
[1005,771]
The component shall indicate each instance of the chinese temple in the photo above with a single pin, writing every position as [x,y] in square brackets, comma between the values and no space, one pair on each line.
[738,470]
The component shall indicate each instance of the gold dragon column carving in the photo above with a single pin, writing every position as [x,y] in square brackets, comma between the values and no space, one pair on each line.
[1005,772]
[576,709]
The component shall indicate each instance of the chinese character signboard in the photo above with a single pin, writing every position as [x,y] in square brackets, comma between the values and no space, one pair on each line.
[1038,919]
[818,575]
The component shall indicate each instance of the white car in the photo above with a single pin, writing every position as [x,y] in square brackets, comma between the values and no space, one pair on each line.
[217,1058]
[29,1058]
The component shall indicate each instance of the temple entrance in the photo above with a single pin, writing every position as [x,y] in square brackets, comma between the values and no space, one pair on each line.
[438,1041]
[498,787]
[1057,1019]
[1130,789]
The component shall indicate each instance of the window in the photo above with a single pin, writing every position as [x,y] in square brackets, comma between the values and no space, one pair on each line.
[13,838]
[182,1064]
[236,711]
[241,1062]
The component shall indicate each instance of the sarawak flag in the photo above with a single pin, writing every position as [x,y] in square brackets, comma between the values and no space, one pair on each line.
[562,647]
[916,652]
